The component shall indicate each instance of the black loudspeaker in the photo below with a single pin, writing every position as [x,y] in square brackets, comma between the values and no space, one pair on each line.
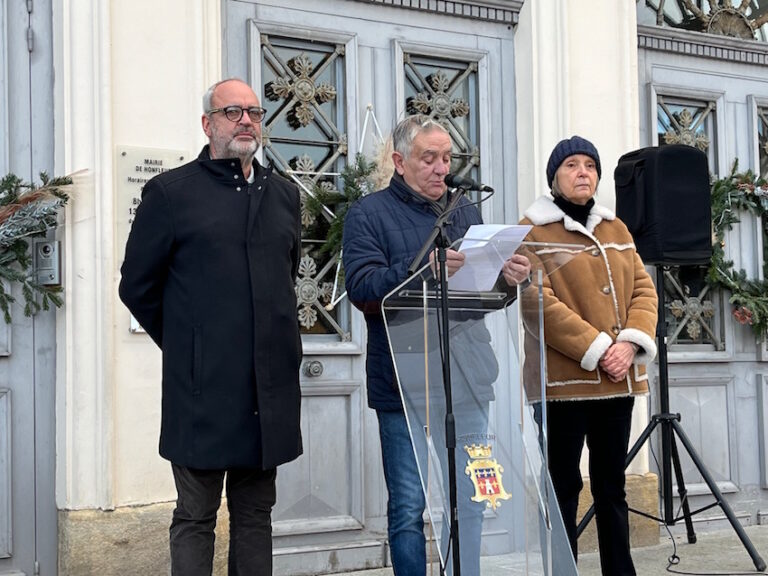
[663,196]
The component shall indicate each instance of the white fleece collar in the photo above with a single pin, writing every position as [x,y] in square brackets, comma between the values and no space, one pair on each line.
[545,211]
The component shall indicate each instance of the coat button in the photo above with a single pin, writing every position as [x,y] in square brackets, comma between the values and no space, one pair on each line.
[237,177]
[606,289]
[595,252]
[615,330]
[259,188]
[238,188]
[231,163]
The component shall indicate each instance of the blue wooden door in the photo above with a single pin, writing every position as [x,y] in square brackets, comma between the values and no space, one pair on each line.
[28,538]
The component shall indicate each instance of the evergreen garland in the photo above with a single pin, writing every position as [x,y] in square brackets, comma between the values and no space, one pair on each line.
[737,192]
[27,211]
[357,181]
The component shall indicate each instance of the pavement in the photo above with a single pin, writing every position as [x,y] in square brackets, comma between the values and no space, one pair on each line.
[717,552]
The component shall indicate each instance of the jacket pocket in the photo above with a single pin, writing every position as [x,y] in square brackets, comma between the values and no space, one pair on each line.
[197,359]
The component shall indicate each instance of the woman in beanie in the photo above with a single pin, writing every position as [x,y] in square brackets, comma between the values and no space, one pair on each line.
[600,321]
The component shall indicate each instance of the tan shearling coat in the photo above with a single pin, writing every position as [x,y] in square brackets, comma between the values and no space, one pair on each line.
[603,295]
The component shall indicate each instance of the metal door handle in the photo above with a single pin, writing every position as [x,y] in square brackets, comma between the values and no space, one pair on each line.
[313,368]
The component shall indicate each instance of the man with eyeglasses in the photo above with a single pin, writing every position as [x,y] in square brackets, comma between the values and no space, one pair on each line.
[209,273]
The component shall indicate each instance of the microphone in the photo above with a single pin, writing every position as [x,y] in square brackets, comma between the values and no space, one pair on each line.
[455,181]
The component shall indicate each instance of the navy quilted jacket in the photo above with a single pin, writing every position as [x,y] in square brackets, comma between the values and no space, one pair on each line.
[382,234]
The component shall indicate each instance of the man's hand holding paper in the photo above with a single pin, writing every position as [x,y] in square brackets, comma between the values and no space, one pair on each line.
[516,269]
[490,250]
[454,260]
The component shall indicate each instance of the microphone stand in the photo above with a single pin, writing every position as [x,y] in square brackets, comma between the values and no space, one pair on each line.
[437,230]
[439,239]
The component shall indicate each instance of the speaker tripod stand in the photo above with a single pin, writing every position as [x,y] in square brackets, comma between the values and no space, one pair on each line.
[670,457]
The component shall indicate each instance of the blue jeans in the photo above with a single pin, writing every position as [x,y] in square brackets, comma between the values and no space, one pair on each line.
[405,507]
[406,504]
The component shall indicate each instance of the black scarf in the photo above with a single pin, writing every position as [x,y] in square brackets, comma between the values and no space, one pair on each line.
[576,211]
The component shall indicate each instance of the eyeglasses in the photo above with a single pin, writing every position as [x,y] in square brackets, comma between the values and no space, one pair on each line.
[234,113]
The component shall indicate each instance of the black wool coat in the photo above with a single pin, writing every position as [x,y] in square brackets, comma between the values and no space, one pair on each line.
[209,273]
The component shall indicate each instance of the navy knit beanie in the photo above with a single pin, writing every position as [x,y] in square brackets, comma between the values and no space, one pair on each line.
[569,147]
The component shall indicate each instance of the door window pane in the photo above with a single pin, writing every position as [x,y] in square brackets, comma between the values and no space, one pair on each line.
[447,91]
[305,139]
[689,122]
[693,310]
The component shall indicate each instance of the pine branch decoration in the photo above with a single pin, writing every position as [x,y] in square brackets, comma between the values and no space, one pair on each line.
[739,192]
[357,181]
[27,211]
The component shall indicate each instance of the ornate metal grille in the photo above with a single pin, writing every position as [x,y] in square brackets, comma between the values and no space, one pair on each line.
[690,123]
[304,137]
[694,312]
[747,20]
[692,308]
[447,90]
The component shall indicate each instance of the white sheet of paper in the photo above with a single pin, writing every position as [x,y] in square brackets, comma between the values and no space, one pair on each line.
[486,247]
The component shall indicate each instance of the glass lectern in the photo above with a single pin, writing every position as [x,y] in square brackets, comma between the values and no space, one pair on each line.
[505,506]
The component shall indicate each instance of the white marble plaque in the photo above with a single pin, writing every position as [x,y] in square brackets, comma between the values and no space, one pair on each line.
[134,167]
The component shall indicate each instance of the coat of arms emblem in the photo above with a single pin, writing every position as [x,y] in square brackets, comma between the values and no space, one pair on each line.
[485,474]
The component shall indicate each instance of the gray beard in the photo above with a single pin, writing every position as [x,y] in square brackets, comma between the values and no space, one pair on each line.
[243,151]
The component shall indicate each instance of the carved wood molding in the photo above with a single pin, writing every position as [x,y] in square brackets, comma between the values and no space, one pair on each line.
[702,45]
[500,11]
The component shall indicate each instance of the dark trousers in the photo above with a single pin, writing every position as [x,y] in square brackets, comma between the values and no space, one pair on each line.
[606,425]
[250,497]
